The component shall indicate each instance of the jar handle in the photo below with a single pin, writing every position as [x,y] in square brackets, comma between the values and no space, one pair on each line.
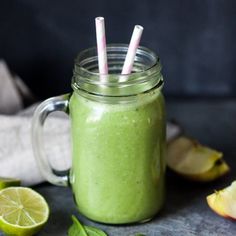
[59,103]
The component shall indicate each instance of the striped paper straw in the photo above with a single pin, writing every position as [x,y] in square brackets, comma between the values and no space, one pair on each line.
[133,45]
[101,46]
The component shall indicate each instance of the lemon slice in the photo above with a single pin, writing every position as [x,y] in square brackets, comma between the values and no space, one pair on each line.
[7,182]
[190,159]
[22,211]
[223,202]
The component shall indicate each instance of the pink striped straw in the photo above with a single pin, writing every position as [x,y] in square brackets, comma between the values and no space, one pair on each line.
[133,46]
[101,46]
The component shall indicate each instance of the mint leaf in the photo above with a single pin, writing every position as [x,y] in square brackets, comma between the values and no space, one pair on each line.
[92,231]
[77,228]
[73,230]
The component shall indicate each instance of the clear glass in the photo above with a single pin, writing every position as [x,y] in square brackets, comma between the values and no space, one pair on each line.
[118,137]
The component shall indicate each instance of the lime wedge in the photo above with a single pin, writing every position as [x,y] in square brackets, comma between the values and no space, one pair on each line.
[194,161]
[7,182]
[23,211]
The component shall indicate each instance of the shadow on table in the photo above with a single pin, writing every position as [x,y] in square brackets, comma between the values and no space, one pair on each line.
[182,193]
[181,197]
[61,206]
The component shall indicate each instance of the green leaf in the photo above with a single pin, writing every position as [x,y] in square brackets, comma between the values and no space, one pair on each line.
[77,228]
[139,234]
[92,231]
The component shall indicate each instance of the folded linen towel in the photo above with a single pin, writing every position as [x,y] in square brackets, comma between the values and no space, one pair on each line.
[16,154]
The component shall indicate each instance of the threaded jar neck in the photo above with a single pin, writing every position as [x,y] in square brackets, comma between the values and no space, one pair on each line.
[146,73]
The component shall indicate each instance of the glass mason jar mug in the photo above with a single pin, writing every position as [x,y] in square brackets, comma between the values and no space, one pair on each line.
[118,137]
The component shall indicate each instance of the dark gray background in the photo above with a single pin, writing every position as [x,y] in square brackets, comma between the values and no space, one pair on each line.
[195,39]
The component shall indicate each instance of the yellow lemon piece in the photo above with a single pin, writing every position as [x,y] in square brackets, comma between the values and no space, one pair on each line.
[194,161]
[223,202]
[23,211]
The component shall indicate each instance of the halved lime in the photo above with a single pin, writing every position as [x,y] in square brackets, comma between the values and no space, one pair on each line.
[7,182]
[22,211]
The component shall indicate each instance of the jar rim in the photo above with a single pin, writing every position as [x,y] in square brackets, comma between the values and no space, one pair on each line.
[146,72]
[110,47]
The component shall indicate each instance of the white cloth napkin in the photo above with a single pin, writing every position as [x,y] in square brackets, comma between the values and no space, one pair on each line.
[16,154]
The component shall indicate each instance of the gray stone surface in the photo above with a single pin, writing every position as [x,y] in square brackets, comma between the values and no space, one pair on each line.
[186,213]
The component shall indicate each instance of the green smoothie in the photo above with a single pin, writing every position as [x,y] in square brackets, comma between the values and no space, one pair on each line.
[118,168]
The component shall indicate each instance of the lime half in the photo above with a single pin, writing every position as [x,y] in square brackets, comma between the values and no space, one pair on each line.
[22,211]
[7,182]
